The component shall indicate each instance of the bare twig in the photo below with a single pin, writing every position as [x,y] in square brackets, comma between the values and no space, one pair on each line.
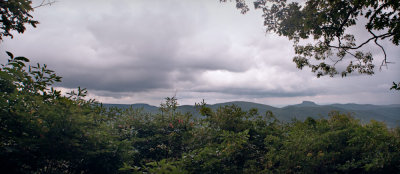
[348,52]
[45,3]
[361,45]
[384,62]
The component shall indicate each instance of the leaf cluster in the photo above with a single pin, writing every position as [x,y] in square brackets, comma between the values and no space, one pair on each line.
[328,23]
[42,131]
[14,14]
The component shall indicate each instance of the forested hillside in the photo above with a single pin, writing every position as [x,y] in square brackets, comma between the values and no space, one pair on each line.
[390,114]
[43,131]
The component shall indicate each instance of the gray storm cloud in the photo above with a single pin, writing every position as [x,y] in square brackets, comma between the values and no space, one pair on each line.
[138,51]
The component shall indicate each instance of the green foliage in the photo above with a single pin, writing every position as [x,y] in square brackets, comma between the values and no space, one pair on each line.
[222,156]
[43,131]
[337,145]
[328,23]
[230,118]
[169,107]
[203,109]
[14,15]
[395,86]
[165,167]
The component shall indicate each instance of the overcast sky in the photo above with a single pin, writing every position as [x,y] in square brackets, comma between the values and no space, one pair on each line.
[141,51]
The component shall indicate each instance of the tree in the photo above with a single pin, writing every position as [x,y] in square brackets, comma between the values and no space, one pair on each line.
[42,131]
[15,14]
[328,22]
[395,86]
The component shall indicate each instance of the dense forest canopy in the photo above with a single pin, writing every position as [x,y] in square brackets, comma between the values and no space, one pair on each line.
[45,132]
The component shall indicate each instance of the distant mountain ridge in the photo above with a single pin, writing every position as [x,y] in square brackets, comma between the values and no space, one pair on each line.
[390,114]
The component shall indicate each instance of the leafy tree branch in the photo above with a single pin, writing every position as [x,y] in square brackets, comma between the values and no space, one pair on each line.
[327,22]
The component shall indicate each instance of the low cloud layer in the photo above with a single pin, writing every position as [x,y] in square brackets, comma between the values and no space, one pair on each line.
[142,51]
